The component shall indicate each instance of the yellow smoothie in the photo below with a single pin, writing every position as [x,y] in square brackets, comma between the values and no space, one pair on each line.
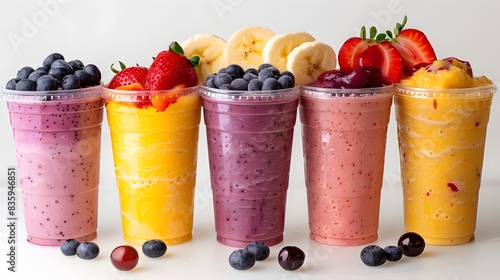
[442,115]
[155,157]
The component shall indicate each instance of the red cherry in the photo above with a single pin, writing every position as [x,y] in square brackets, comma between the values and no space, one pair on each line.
[124,257]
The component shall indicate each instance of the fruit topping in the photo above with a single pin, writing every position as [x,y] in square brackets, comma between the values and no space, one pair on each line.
[278,47]
[411,244]
[172,68]
[259,249]
[87,250]
[241,259]
[124,257]
[154,248]
[291,258]
[245,46]
[55,74]
[357,77]
[373,255]
[68,247]
[127,76]
[266,77]
[386,58]
[210,49]
[309,60]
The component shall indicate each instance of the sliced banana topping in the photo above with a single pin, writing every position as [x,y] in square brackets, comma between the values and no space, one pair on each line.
[245,46]
[309,60]
[279,46]
[210,48]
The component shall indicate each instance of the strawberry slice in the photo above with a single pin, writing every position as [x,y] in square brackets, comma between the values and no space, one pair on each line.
[128,76]
[162,101]
[386,58]
[414,48]
[350,52]
[140,103]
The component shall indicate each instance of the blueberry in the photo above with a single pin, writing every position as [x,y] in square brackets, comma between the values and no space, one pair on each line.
[242,259]
[255,85]
[47,83]
[264,66]
[289,74]
[373,255]
[250,76]
[286,82]
[259,249]
[59,72]
[269,72]
[252,71]
[37,74]
[68,247]
[222,70]
[47,62]
[235,71]
[393,253]
[84,77]
[211,83]
[76,64]
[87,250]
[211,76]
[239,84]
[26,85]
[24,72]
[95,74]
[271,84]
[70,82]
[227,87]
[154,248]
[11,84]
[222,79]
[62,63]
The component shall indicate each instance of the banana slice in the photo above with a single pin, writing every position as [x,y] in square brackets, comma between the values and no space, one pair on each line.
[210,49]
[278,47]
[309,60]
[245,46]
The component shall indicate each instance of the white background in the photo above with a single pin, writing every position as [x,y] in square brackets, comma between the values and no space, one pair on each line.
[103,32]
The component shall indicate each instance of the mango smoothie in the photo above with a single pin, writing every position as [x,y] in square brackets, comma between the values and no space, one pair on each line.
[442,113]
[155,158]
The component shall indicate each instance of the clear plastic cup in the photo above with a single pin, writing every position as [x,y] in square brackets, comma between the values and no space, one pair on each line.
[344,134]
[155,157]
[442,133]
[249,137]
[57,136]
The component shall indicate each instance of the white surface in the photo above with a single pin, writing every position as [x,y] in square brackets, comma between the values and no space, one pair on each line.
[103,32]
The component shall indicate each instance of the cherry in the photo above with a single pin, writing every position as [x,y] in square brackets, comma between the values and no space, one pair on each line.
[357,77]
[291,258]
[124,257]
[411,244]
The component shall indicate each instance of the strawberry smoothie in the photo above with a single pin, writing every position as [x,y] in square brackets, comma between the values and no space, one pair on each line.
[57,138]
[344,137]
[249,138]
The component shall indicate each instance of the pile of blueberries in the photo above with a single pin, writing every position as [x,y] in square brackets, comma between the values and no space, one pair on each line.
[56,73]
[265,77]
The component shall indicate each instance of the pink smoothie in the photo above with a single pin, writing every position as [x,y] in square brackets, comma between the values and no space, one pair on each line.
[249,146]
[58,151]
[344,139]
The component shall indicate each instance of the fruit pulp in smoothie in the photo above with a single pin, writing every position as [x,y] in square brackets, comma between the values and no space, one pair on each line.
[344,140]
[58,154]
[249,148]
[155,157]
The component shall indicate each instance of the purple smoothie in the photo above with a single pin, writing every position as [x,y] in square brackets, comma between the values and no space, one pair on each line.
[249,144]
[57,144]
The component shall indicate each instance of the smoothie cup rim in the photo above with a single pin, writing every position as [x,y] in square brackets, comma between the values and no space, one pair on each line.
[85,93]
[252,96]
[312,91]
[145,95]
[406,90]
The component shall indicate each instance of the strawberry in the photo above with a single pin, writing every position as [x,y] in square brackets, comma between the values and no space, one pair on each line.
[351,50]
[414,48]
[171,68]
[386,58]
[162,101]
[141,101]
[128,76]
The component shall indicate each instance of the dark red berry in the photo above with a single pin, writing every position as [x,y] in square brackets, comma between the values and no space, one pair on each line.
[411,244]
[291,258]
[124,257]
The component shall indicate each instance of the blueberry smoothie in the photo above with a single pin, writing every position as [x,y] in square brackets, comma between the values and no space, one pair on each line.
[57,138]
[344,138]
[249,138]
